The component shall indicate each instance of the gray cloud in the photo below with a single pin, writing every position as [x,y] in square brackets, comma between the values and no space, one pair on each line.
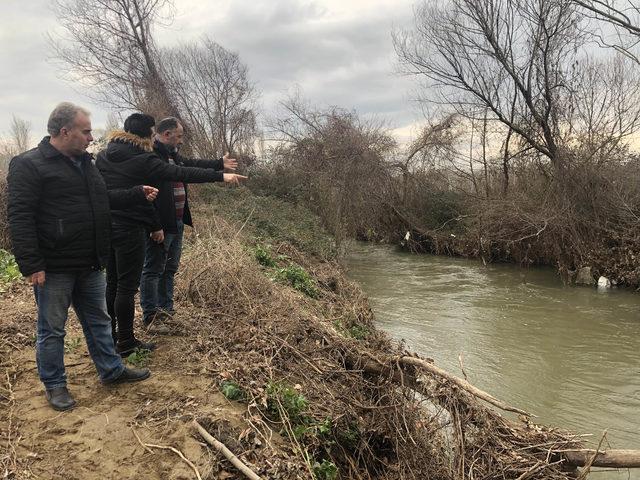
[336,56]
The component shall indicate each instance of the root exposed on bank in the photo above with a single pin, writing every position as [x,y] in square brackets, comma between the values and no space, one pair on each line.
[349,403]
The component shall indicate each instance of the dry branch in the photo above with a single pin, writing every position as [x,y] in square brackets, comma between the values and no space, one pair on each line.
[219,446]
[608,458]
[417,362]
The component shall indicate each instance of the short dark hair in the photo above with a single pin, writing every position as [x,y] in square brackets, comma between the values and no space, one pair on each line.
[139,124]
[169,123]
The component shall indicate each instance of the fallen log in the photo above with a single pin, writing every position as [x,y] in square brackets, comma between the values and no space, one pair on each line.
[605,459]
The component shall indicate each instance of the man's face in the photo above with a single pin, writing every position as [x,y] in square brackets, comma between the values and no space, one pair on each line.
[173,138]
[77,138]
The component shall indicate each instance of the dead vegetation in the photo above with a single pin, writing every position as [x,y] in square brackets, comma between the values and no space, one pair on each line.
[315,371]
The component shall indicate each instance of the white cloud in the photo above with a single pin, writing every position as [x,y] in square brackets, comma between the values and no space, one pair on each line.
[338,52]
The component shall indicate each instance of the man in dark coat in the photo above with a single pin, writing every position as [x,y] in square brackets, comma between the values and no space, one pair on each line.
[172,204]
[128,160]
[59,220]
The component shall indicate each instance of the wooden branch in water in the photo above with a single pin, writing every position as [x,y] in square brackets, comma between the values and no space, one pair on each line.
[377,367]
[222,448]
[608,458]
[463,384]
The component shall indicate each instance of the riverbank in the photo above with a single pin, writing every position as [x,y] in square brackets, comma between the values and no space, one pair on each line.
[508,325]
[275,352]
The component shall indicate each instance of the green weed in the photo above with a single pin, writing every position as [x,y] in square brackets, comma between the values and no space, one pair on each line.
[263,256]
[293,403]
[9,271]
[359,332]
[232,391]
[140,357]
[299,279]
[325,470]
[71,344]
[350,437]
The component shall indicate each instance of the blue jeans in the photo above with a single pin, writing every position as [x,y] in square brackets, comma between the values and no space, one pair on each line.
[161,263]
[85,291]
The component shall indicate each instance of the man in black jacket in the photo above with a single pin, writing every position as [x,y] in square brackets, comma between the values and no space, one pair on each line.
[162,259]
[59,220]
[128,160]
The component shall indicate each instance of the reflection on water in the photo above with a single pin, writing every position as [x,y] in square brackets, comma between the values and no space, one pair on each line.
[570,355]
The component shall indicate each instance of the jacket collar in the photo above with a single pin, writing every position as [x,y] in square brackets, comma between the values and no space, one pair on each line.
[163,149]
[120,136]
[49,151]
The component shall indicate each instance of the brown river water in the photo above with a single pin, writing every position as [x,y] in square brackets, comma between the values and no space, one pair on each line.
[569,355]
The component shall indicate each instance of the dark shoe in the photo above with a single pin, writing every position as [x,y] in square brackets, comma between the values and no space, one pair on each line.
[60,399]
[130,346]
[130,375]
[155,324]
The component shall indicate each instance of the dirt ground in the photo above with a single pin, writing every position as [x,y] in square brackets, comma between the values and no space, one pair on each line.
[96,440]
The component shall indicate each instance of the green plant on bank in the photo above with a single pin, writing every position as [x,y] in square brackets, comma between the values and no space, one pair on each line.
[359,332]
[299,279]
[292,403]
[71,344]
[139,358]
[9,271]
[350,437]
[325,470]
[263,256]
[232,390]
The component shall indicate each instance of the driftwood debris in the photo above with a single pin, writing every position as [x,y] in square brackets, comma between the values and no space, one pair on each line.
[605,459]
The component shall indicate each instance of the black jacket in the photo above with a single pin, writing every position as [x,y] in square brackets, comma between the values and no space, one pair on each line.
[59,216]
[165,203]
[129,160]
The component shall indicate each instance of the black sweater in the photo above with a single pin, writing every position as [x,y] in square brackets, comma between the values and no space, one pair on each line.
[129,160]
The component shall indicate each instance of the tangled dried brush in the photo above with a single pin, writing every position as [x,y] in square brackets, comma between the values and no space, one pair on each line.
[319,373]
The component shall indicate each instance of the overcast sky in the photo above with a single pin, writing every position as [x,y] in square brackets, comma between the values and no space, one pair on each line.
[337,52]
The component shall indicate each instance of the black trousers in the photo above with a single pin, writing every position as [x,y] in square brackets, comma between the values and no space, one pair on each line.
[123,279]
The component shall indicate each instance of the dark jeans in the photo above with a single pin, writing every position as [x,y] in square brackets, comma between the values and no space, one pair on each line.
[85,291]
[161,263]
[123,279]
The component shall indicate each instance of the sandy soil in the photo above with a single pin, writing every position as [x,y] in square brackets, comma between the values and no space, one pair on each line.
[96,440]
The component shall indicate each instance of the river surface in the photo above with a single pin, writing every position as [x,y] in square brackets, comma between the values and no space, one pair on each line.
[570,355]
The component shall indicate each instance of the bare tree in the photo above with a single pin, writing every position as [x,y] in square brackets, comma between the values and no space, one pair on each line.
[623,16]
[523,63]
[20,131]
[339,164]
[215,97]
[482,54]
[109,47]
